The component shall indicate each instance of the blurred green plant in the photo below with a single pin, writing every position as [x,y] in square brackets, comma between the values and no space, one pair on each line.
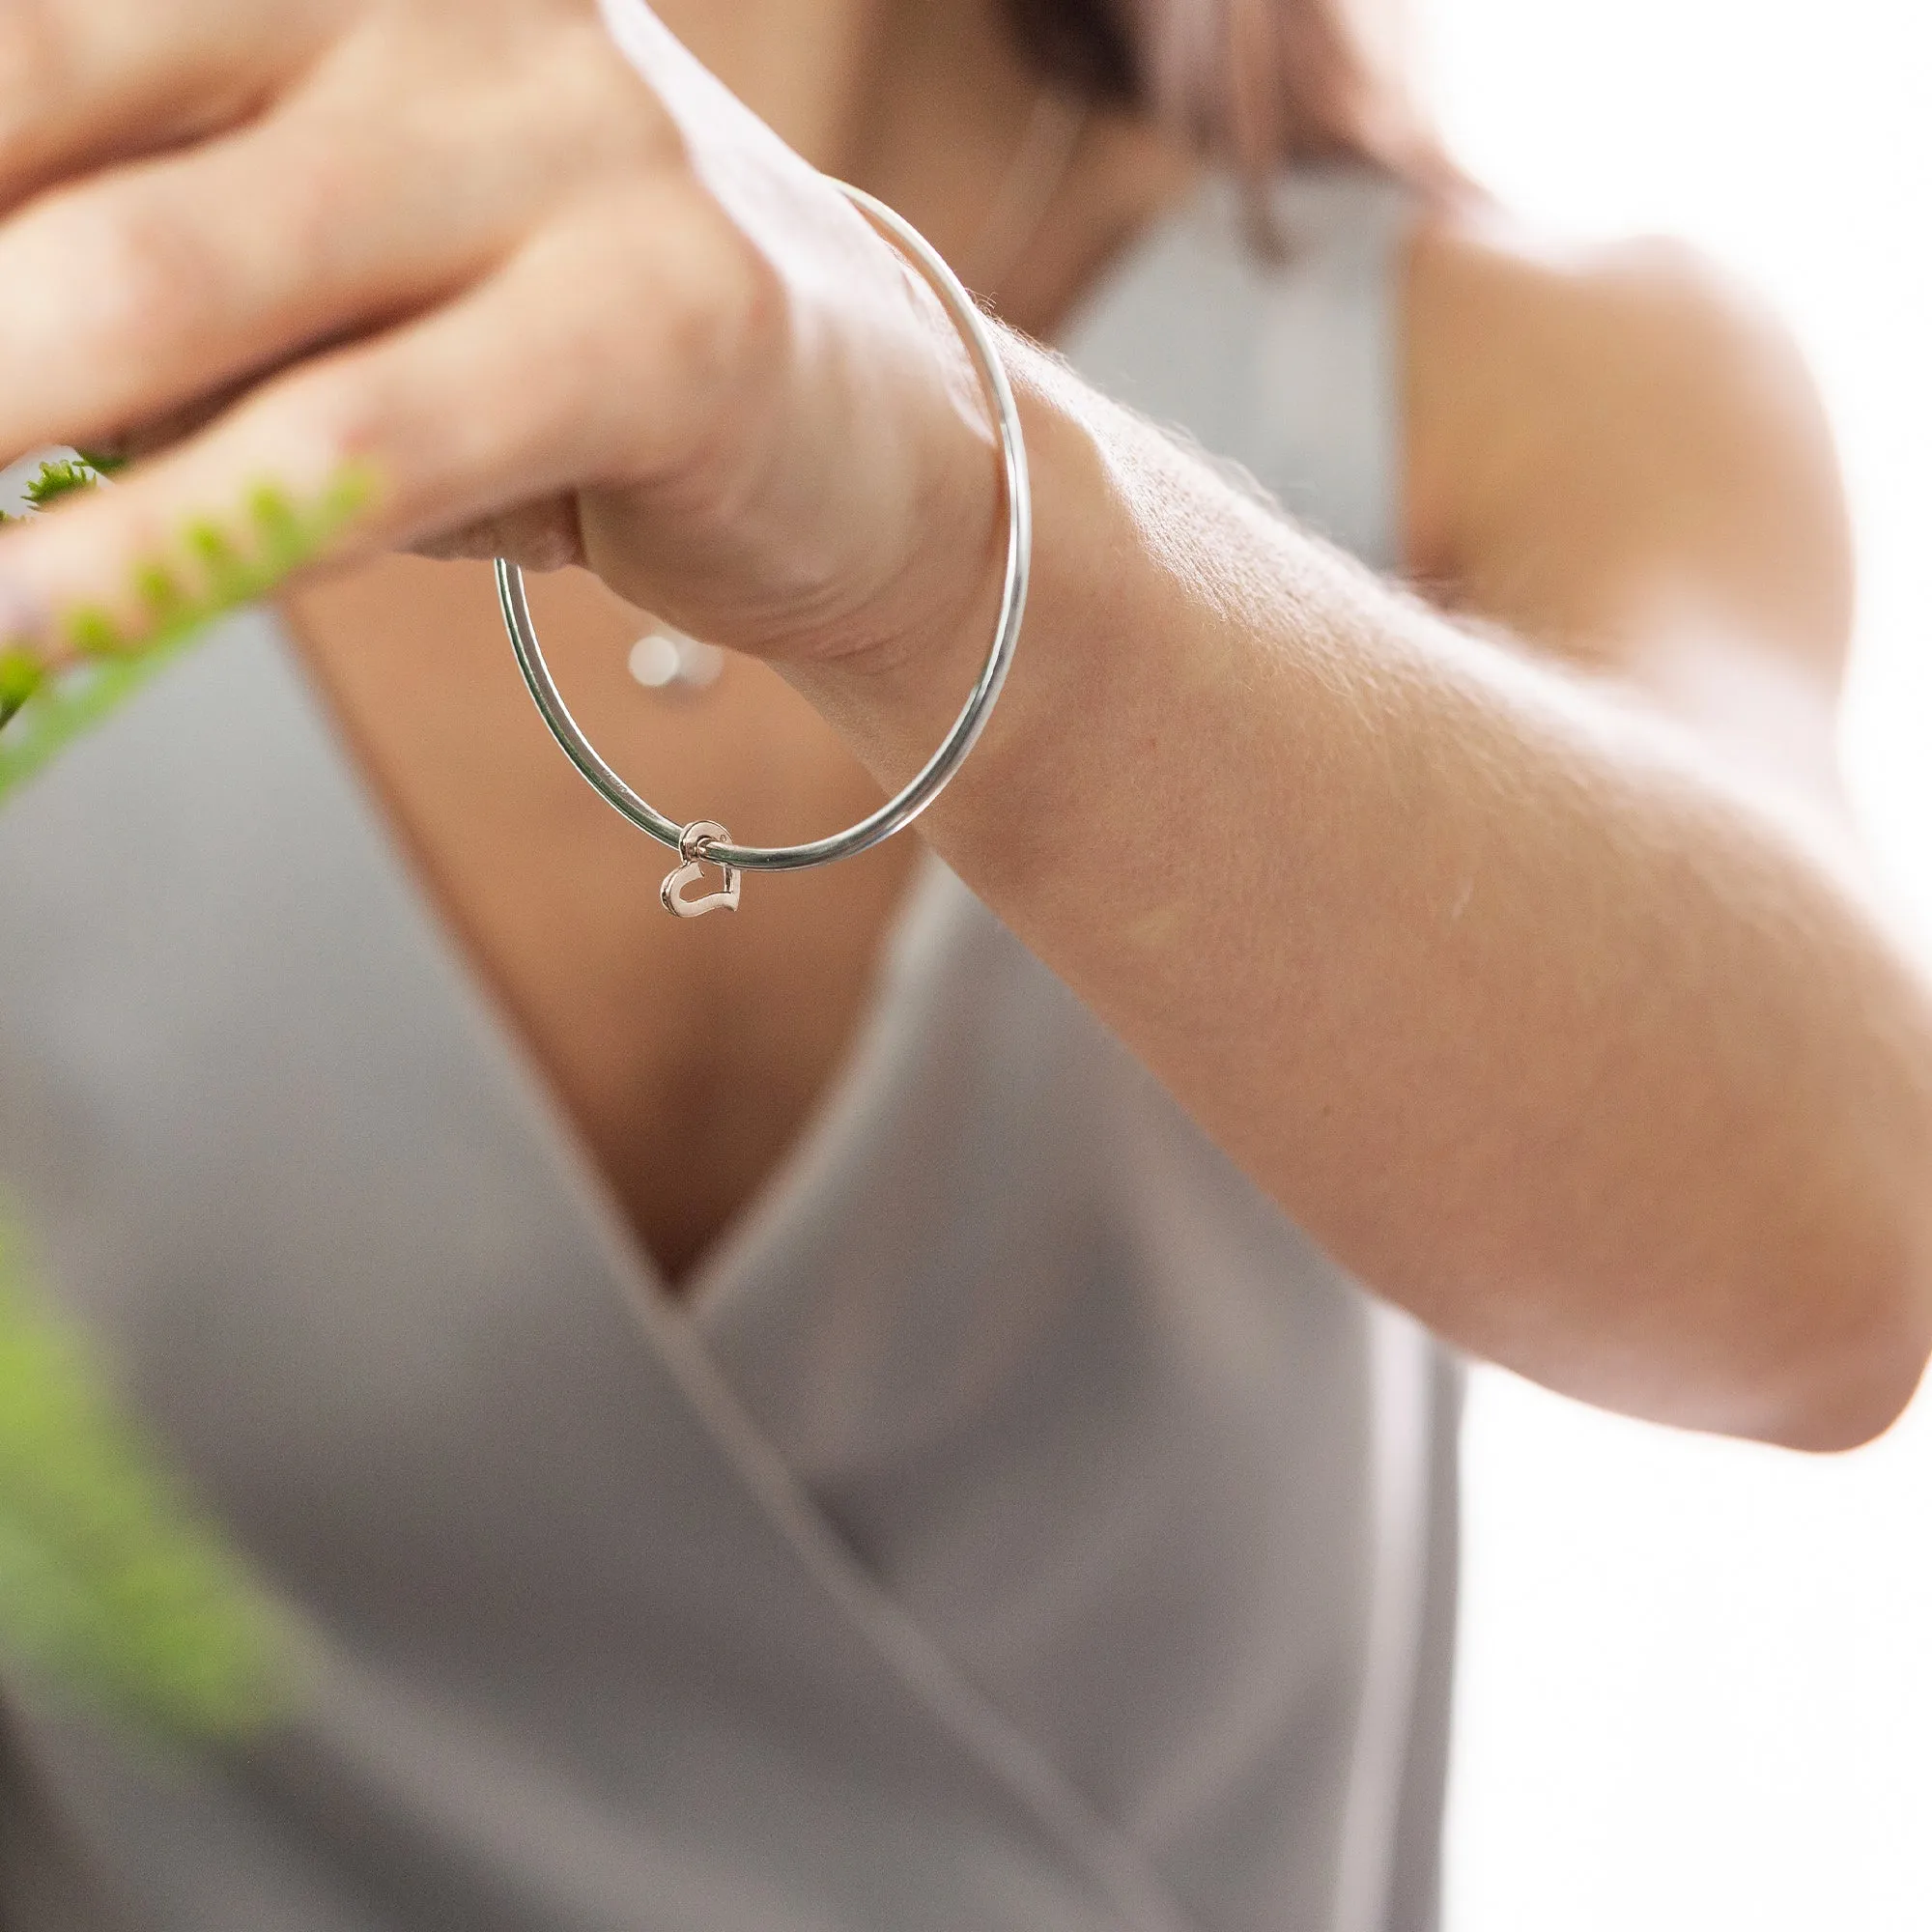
[211,574]
[111,1586]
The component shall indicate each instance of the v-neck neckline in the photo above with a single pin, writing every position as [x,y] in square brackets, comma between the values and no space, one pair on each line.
[759,1217]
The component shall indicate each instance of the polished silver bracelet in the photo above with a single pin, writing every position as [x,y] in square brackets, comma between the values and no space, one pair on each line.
[705,842]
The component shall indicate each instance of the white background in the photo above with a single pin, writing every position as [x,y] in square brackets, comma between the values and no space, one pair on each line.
[1697,1678]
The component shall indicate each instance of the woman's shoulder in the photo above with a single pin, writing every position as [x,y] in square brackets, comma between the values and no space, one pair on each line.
[1503,313]
[1590,402]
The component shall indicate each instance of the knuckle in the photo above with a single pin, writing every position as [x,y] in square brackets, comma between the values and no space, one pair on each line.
[321,196]
[131,273]
[588,87]
[336,417]
[682,321]
[318,431]
[720,301]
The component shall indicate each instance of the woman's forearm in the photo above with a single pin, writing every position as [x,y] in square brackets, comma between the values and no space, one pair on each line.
[1586,1059]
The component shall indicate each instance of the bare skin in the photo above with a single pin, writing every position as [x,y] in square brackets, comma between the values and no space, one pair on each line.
[1522,961]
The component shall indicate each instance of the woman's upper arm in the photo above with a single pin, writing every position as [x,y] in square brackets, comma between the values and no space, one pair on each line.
[1619,457]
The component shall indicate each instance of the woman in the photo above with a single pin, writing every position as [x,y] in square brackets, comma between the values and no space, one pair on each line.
[756,1440]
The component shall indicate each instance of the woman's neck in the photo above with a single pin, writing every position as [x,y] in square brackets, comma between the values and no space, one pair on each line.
[926,103]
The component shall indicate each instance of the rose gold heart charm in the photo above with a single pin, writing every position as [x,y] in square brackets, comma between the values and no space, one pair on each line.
[692,843]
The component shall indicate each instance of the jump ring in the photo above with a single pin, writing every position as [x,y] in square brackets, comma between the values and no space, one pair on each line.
[695,840]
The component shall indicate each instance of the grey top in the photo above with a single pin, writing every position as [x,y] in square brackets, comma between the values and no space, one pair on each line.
[1022,1525]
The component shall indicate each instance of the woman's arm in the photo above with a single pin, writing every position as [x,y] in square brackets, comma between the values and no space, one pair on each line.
[1557,1028]
[1547,996]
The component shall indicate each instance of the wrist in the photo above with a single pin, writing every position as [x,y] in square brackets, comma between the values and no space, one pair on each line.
[894,702]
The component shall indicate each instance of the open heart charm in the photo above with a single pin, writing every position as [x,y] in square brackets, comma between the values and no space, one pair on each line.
[692,843]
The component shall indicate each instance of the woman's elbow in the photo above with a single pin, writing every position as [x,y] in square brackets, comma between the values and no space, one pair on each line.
[1865,1356]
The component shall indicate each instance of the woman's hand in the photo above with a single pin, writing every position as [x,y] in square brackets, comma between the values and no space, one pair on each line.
[528,296]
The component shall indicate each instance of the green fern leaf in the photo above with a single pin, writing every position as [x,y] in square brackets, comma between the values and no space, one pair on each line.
[59,477]
[109,1582]
[41,714]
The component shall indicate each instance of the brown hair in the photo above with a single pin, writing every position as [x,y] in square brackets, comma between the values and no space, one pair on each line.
[1254,84]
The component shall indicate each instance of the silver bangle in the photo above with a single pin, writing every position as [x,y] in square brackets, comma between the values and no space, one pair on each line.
[703,841]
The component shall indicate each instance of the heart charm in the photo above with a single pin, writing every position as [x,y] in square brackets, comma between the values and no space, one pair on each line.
[692,843]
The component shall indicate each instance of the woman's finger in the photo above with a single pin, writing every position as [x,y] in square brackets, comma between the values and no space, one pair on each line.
[505,396]
[86,82]
[142,290]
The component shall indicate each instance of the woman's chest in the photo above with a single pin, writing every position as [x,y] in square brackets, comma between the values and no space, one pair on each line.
[686,1056]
